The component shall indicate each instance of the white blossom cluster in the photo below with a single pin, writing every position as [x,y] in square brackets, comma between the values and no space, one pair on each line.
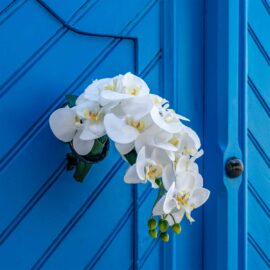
[123,109]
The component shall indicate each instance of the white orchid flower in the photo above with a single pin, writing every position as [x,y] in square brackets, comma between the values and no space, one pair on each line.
[123,87]
[64,124]
[187,143]
[67,126]
[125,123]
[175,216]
[91,115]
[155,137]
[164,117]
[185,194]
[93,91]
[147,168]
[190,142]
[185,163]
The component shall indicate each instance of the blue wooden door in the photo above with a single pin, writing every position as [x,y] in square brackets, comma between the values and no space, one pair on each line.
[258,130]
[237,105]
[51,48]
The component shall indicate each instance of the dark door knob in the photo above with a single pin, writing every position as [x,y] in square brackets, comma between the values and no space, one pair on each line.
[234,167]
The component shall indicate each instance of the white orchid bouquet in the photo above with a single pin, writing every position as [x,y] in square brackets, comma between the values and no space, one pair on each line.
[150,137]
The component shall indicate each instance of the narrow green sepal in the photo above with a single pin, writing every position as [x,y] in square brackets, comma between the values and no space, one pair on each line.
[176,228]
[131,157]
[81,170]
[153,233]
[152,224]
[163,225]
[71,100]
[158,181]
[165,237]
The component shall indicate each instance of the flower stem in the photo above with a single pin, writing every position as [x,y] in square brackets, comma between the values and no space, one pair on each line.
[172,218]
[160,193]
[81,171]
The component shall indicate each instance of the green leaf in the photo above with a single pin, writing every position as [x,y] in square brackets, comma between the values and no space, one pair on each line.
[81,171]
[131,157]
[103,139]
[71,100]
[98,145]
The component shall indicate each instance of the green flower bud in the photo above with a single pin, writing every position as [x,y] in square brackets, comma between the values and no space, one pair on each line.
[152,224]
[163,225]
[176,228]
[165,237]
[153,233]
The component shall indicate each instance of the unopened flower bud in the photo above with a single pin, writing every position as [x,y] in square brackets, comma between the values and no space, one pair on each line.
[152,224]
[153,233]
[163,225]
[176,228]
[164,236]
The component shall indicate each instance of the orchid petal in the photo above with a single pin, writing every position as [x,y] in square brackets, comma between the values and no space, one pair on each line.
[172,127]
[141,163]
[118,130]
[168,176]
[185,182]
[193,135]
[199,196]
[113,96]
[137,107]
[158,208]
[178,216]
[160,157]
[62,123]
[124,149]
[82,147]
[131,176]
[87,134]
[170,202]
[130,80]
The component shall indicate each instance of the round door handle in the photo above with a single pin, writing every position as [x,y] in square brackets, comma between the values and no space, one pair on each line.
[234,167]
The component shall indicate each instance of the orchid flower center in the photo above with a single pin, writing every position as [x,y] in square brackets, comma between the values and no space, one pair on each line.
[135,91]
[78,121]
[93,116]
[153,172]
[139,125]
[158,101]
[182,200]
[187,151]
[174,141]
[167,114]
[111,87]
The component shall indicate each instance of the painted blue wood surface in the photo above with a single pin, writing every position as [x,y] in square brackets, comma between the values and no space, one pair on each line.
[210,58]
[225,133]
[258,144]
[237,106]
[48,49]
